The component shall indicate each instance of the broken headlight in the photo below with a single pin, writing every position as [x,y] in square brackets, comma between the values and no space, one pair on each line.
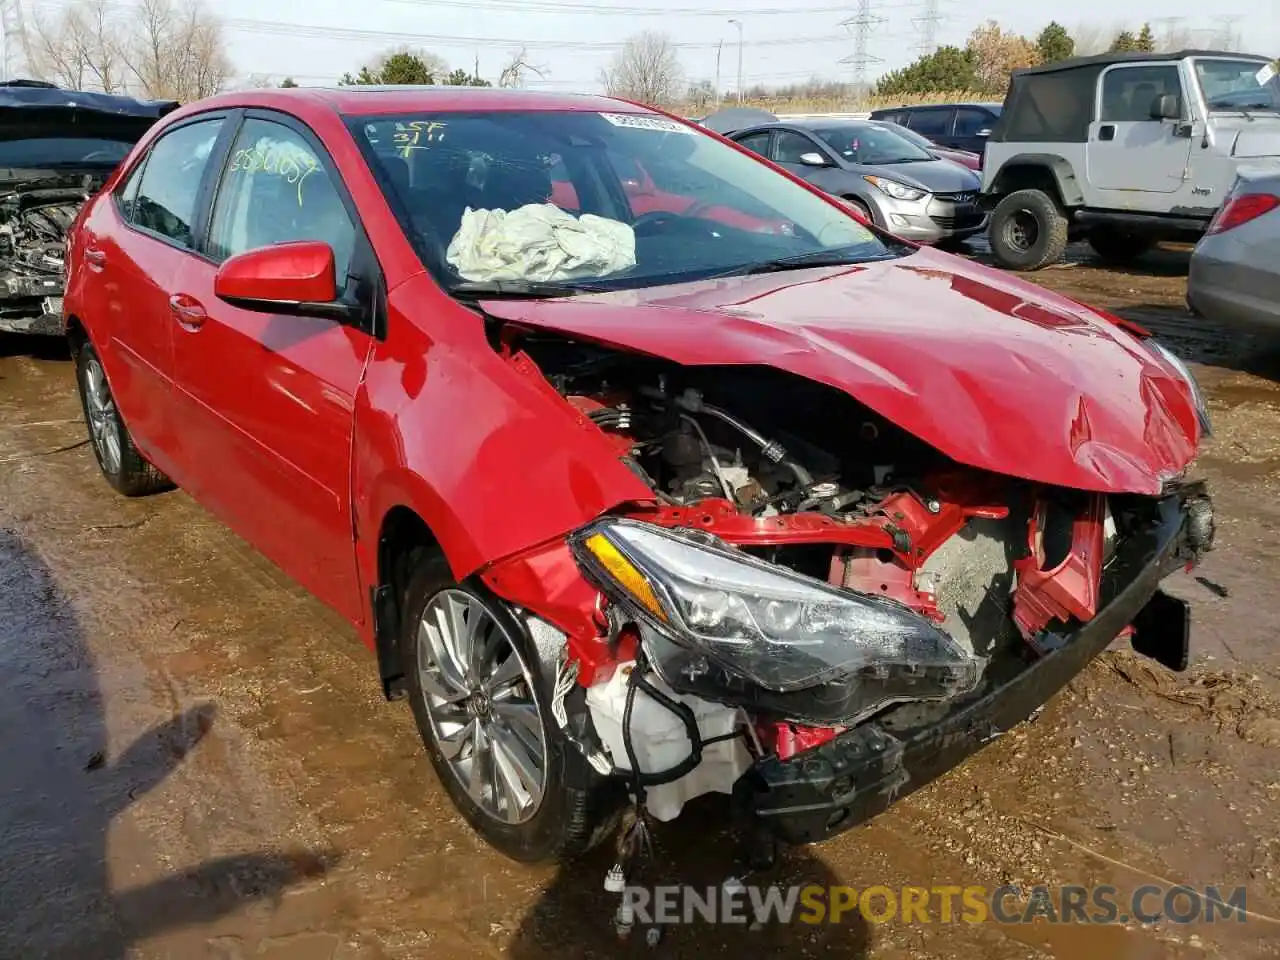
[1197,395]
[776,628]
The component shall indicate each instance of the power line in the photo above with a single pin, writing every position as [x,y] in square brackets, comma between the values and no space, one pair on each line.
[280,28]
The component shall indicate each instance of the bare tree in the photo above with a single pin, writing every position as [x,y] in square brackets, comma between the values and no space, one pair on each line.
[645,69]
[56,48]
[518,68]
[177,50]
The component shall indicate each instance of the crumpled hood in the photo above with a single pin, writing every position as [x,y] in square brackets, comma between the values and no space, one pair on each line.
[993,371]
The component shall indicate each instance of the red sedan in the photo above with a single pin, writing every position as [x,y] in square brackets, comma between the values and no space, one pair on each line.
[645,470]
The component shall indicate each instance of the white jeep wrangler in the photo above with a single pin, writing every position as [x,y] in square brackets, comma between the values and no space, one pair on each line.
[1124,150]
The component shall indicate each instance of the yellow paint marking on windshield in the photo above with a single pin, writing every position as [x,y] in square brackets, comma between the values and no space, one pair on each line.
[416,134]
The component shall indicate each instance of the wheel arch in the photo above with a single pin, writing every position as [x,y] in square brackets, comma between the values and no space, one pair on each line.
[405,539]
[1040,171]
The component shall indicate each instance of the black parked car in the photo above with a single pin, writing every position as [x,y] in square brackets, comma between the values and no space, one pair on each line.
[57,147]
[961,126]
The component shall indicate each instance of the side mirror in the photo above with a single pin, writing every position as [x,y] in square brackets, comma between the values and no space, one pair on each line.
[296,278]
[984,132]
[1167,106]
[813,159]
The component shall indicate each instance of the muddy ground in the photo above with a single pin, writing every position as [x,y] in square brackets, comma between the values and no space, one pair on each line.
[195,760]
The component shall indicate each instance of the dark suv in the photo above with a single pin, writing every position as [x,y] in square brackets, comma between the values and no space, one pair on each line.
[960,126]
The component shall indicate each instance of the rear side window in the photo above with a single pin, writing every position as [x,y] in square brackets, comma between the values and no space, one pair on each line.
[1129,93]
[166,199]
[931,123]
[127,194]
[970,120]
[275,189]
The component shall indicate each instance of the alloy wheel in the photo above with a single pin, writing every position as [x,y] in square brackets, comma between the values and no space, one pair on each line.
[103,417]
[480,699]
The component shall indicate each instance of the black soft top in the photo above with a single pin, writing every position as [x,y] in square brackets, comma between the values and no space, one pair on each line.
[1107,59]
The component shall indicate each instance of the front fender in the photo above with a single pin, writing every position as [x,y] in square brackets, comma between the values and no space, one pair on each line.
[478,445]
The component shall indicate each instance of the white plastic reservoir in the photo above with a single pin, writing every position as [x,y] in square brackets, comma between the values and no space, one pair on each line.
[660,742]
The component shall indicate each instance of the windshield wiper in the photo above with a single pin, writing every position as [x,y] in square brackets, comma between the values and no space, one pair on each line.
[818,258]
[516,289]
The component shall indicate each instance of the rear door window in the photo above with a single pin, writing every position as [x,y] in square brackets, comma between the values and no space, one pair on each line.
[931,123]
[170,187]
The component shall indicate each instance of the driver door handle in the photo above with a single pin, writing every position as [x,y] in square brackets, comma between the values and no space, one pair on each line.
[95,258]
[188,311]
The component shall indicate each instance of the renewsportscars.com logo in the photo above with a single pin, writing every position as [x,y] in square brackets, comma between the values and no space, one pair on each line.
[734,902]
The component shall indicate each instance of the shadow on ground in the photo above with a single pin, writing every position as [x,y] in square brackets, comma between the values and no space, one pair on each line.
[38,348]
[574,917]
[61,787]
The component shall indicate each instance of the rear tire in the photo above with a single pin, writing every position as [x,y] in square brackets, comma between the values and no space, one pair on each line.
[1118,248]
[125,468]
[472,738]
[1028,231]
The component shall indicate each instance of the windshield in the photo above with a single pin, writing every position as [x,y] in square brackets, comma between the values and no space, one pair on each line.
[599,200]
[62,152]
[920,140]
[1233,85]
[870,143]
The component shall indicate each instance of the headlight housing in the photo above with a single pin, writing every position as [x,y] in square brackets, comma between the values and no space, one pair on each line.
[778,629]
[899,191]
[1197,395]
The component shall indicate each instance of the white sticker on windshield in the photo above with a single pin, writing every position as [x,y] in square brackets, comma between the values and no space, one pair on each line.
[1264,75]
[639,121]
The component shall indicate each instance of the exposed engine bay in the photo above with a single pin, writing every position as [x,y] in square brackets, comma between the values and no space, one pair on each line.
[34,222]
[807,567]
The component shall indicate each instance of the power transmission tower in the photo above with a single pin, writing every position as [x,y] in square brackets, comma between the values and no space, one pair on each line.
[1225,37]
[1169,31]
[14,39]
[927,24]
[861,23]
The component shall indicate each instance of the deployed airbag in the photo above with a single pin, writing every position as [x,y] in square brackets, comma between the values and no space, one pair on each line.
[539,242]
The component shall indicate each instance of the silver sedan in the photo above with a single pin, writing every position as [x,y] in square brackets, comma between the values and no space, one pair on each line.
[1235,269]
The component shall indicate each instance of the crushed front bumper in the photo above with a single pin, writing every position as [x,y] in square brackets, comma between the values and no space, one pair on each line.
[819,793]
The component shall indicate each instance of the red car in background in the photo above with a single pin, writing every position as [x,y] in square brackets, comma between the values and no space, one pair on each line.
[718,492]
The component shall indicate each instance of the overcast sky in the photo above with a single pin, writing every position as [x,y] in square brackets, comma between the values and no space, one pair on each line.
[572,38]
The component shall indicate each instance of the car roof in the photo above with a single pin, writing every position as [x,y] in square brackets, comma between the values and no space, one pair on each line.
[988,105]
[1106,59]
[407,99]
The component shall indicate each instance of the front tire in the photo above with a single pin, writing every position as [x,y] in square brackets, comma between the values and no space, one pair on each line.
[482,701]
[1028,231]
[860,208]
[1117,248]
[124,467]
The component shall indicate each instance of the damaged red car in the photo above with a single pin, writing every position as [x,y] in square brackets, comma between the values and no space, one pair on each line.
[639,488]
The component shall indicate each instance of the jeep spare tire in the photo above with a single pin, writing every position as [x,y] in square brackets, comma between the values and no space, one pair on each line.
[1028,231]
